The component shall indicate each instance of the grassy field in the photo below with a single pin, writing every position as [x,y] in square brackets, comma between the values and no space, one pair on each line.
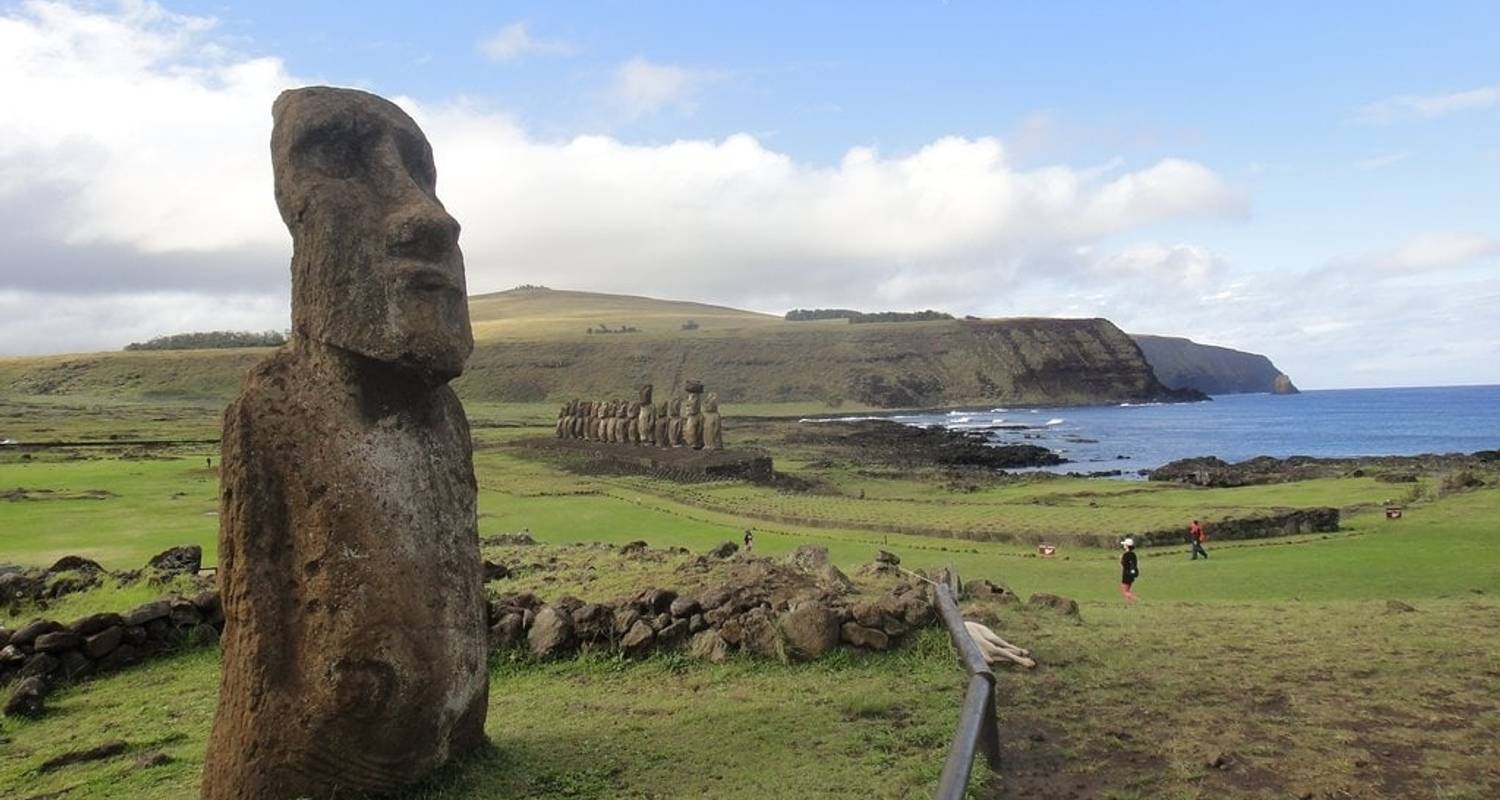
[1278,658]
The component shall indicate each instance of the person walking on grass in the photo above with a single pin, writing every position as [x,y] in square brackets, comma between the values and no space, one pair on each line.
[749,540]
[1198,537]
[1130,569]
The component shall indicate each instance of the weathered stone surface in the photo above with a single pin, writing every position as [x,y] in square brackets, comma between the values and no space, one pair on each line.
[811,630]
[495,572]
[760,634]
[1066,606]
[75,564]
[809,557]
[684,607]
[638,639]
[57,641]
[203,635]
[26,699]
[100,644]
[39,665]
[887,557]
[831,579]
[28,633]
[710,646]
[507,631]
[673,634]
[73,665]
[347,496]
[860,636]
[11,654]
[724,550]
[146,612]
[4,636]
[551,633]
[93,623]
[184,559]
[184,613]
[120,657]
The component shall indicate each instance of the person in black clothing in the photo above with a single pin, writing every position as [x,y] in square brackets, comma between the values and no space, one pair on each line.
[749,540]
[1129,570]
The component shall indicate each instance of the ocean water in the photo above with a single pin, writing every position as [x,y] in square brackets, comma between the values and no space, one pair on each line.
[1338,422]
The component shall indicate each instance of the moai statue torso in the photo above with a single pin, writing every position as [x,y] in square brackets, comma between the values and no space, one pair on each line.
[713,424]
[633,424]
[562,419]
[692,421]
[663,425]
[646,417]
[347,473]
[674,411]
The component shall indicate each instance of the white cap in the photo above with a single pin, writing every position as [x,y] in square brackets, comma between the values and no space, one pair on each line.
[1127,542]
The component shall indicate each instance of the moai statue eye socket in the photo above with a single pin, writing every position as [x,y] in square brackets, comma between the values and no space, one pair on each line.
[376,267]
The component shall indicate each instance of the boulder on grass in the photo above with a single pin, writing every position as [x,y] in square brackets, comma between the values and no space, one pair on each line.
[858,635]
[811,630]
[184,559]
[551,633]
[1065,606]
[710,646]
[26,699]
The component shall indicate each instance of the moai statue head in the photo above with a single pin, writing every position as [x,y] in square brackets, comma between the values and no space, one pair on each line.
[376,268]
[645,394]
[711,403]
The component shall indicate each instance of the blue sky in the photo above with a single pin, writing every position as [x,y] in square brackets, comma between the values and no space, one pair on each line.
[1312,181]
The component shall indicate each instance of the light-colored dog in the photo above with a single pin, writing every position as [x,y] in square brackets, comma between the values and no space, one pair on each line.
[993,648]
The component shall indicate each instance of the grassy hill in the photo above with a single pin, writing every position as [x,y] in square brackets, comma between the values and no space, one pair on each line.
[534,345]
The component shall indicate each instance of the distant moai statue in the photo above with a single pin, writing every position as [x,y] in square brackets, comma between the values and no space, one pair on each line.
[663,424]
[674,431]
[598,421]
[692,416]
[713,424]
[354,649]
[562,419]
[621,425]
[580,413]
[633,424]
[646,416]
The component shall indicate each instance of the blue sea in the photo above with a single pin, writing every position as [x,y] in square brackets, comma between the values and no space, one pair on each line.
[1336,422]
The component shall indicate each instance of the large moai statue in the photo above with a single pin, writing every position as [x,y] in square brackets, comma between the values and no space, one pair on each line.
[663,425]
[646,417]
[692,416]
[354,647]
[596,422]
[562,419]
[674,412]
[713,424]
[633,424]
[580,413]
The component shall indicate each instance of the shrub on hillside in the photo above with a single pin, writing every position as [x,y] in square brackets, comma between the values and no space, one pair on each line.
[211,340]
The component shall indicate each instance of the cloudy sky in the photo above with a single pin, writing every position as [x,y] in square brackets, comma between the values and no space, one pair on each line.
[1315,182]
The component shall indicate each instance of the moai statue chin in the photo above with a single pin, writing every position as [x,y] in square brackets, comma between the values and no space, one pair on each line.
[354,646]
[713,424]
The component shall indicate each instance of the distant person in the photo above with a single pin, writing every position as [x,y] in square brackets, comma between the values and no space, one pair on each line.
[1130,569]
[1198,537]
[749,540]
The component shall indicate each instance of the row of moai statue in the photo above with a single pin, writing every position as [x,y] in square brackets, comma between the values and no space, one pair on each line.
[689,421]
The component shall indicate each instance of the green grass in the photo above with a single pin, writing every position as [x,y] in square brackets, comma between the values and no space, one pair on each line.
[1279,653]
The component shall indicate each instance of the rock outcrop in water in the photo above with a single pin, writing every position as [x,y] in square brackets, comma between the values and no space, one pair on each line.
[1185,364]
[349,567]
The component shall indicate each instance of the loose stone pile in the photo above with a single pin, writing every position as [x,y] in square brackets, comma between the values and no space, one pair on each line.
[44,653]
[692,420]
[795,610]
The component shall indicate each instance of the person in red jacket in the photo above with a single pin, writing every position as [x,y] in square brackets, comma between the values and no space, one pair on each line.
[1195,533]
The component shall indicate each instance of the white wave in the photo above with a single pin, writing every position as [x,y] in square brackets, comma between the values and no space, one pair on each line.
[837,419]
[998,410]
[1054,421]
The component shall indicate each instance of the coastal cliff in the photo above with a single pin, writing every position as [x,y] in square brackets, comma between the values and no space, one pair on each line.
[1185,364]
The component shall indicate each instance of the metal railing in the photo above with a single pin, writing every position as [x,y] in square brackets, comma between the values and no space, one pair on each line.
[978,729]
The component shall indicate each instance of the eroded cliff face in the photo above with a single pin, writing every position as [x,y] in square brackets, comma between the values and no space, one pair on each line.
[1065,361]
[1185,364]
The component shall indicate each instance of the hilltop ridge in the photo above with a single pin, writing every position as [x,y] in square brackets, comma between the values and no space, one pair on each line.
[535,344]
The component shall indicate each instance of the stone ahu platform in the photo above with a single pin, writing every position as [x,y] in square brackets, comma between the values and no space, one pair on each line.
[675,463]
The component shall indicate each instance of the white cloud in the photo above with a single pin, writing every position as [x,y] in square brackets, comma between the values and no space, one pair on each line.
[1437,250]
[515,41]
[1409,106]
[642,87]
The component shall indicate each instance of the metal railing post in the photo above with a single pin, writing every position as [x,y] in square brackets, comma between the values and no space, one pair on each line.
[978,728]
